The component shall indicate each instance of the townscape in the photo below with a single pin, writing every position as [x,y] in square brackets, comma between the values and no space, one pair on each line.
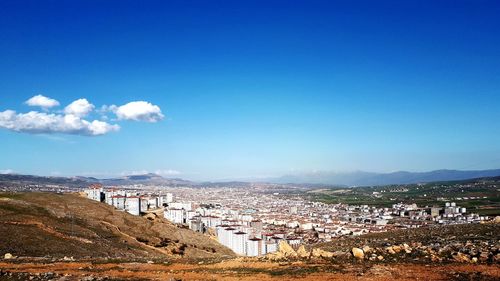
[252,222]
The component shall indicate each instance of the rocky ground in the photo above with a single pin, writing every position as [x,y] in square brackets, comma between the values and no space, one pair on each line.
[471,243]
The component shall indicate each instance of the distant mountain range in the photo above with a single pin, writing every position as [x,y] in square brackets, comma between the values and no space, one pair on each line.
[16,179]
[361,178]
[357,178]
[150,178]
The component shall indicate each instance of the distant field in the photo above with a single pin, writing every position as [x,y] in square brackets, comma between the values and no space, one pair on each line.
[486,195]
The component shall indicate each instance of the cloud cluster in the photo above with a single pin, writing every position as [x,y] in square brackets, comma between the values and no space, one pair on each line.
[42,101]
[165,173]
[138,111]
[47,123]
[80,108]
[71,119]
[6,172]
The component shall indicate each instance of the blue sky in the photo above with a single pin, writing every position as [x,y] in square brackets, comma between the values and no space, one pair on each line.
[255,88]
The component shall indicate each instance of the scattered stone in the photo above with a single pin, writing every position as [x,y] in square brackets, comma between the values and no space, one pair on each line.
[435,258]
[397,249]
[461,257]
[390,250]
[484,256]
[367,249]
[8,256]
[496,258]
[407,248]
[319,253]
[358,253]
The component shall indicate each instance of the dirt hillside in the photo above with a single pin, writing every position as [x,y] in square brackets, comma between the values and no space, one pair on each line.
[54,225]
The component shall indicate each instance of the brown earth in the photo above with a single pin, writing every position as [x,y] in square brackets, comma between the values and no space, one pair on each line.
[53,226]
[241,269]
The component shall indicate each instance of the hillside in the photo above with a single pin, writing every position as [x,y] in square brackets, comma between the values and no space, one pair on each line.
[147,179]
[476,243]
[54,225]
[15,180]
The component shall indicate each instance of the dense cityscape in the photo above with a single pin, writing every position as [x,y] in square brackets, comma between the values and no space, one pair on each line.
[252,221]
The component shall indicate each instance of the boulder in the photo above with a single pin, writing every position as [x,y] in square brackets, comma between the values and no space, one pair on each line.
[319,253]
[276,256]
[461,257]
[302,253]
[484,256]
[407,248]
[397,249]
[436,258]
[150,216]
[367,249]
[358,253]
[390,250]
[286,249]
[8,256]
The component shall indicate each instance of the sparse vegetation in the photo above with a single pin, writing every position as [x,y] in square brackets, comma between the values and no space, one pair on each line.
[73,226]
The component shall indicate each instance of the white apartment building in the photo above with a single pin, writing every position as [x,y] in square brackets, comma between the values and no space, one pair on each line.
[119,202]
[254,247]
[175,215]
[133,205]
[239,240]
[94,192]
[211,221]
[181,205]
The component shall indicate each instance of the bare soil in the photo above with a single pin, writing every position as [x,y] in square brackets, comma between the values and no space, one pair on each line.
[51,225]
[241,269]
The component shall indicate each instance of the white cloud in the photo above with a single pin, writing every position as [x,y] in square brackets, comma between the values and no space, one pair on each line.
[71,119]
[6,171]
[43,123]
[138,111]
[42,101]
[80,108]
[134,172]
[167,172]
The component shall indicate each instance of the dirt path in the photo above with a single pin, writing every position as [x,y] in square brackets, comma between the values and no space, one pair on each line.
[160,250]
[48,230]
[243,270]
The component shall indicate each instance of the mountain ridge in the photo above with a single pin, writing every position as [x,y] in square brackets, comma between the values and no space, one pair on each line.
[362,178]
[355,178]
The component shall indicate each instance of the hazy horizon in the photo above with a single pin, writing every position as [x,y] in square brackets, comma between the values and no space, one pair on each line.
[268,178]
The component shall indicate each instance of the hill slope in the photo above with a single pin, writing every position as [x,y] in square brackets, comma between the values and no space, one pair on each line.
[57,225]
